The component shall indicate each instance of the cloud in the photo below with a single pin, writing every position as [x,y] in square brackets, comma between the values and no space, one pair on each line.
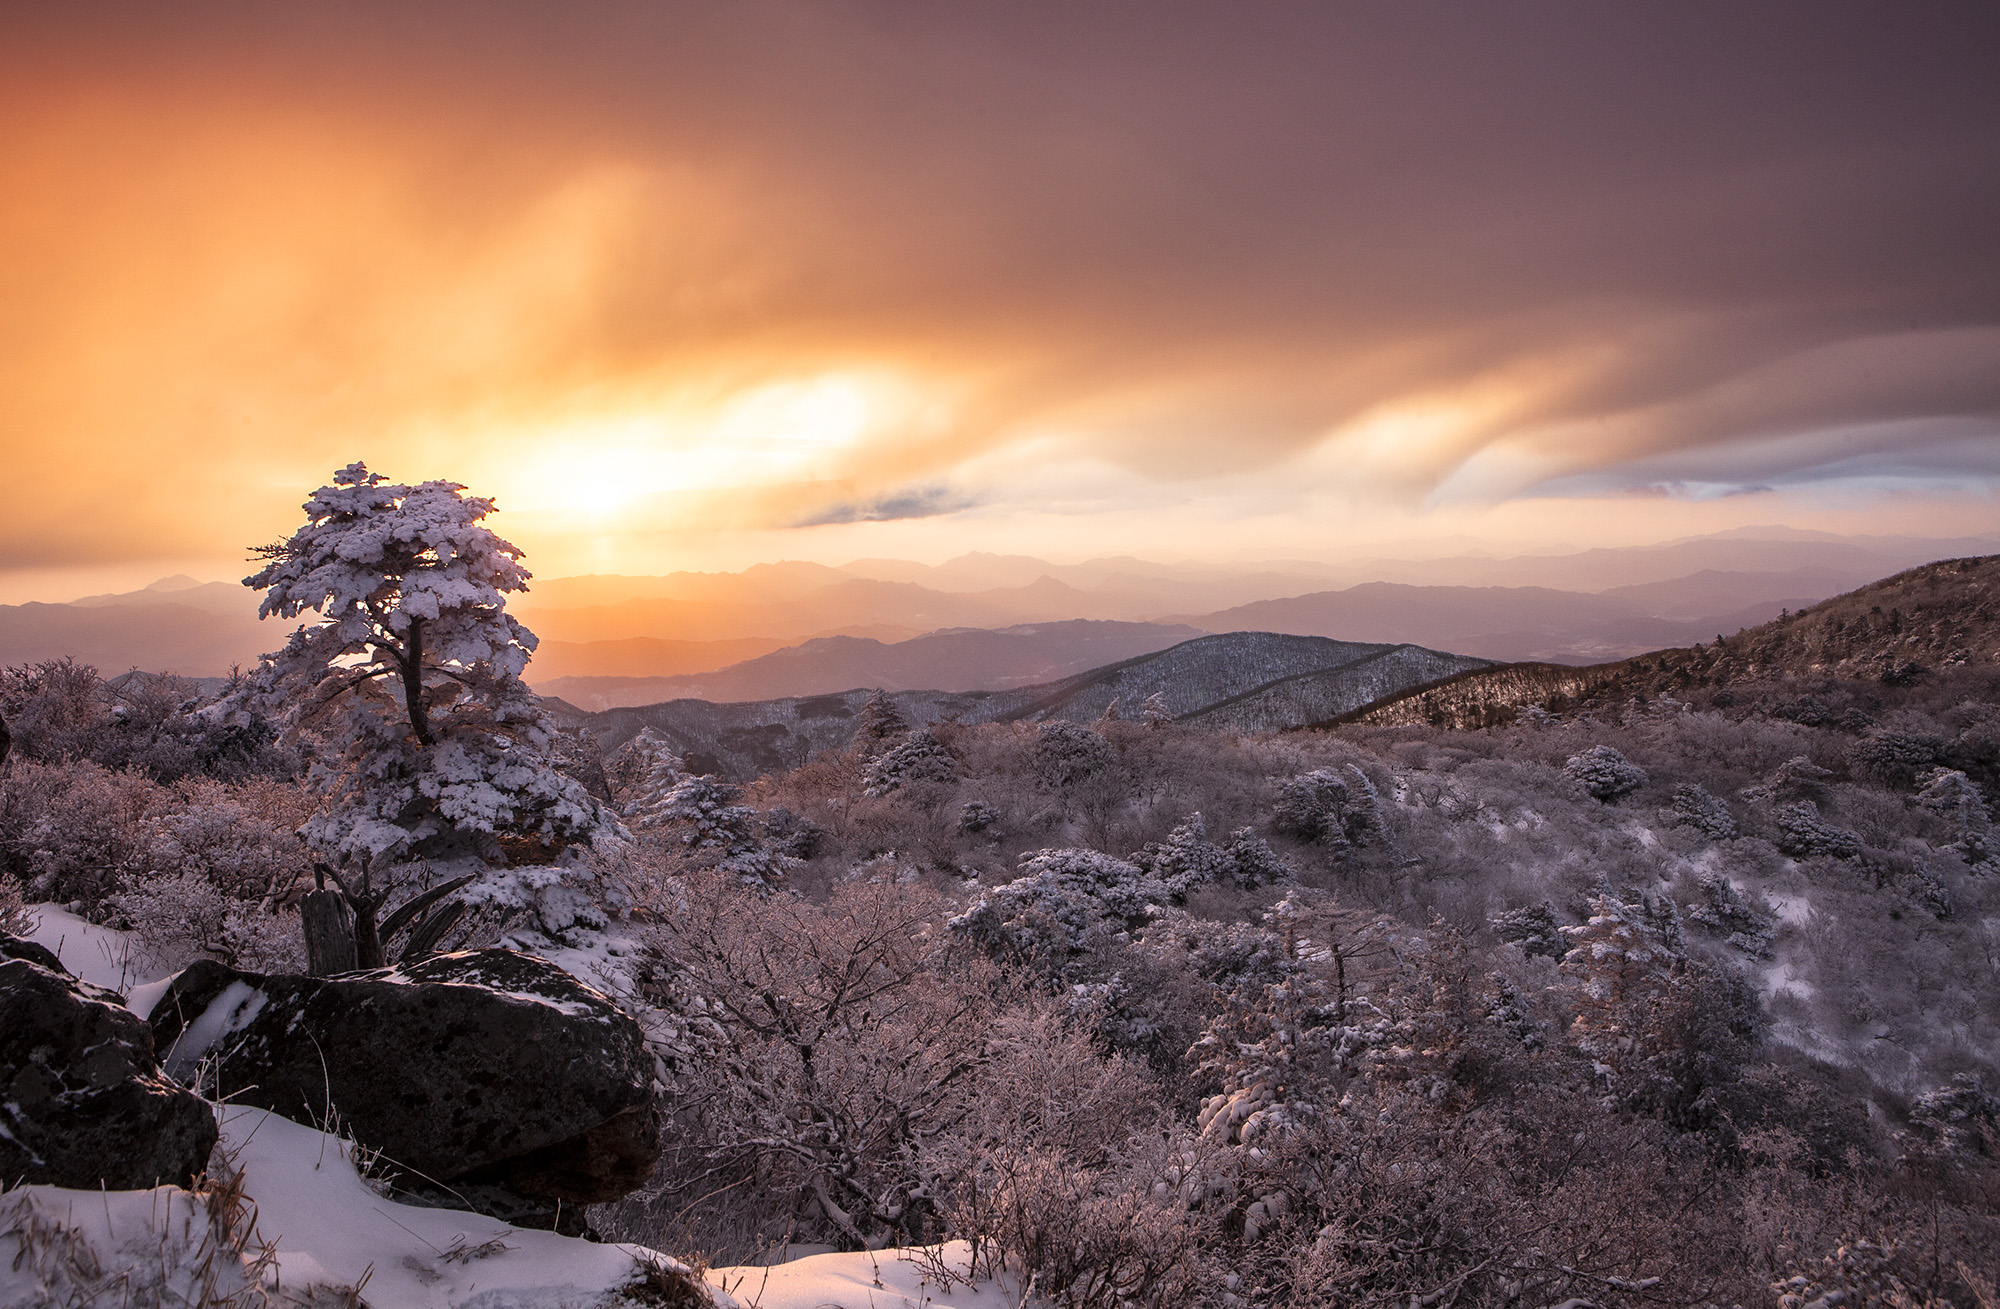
[1254,260]
[916,502]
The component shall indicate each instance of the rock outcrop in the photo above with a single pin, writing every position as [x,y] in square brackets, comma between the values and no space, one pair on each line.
[83,1102]
[489,1070]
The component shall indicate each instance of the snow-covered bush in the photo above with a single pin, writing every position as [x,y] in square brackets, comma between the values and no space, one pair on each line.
[1061,901]
[1605,773]
[921,759]
[1895,758]
[1188,860]
[1695,807]
[1799,778]
[793,835]
[181,917]
[1534,928]
[1803,834]
[76,830]
[1951,795]
[1725,911]
[1957,1123]
[978,816]
[16,919]
[1065,754]
[1326,808]
[547,903]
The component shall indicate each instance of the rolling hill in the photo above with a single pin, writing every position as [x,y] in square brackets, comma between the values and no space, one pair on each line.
[1244,681]
[1939,616]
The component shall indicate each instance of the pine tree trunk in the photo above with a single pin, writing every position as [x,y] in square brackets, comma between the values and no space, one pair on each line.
[329,930]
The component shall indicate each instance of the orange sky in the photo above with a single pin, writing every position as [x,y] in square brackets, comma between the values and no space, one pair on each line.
[692,285]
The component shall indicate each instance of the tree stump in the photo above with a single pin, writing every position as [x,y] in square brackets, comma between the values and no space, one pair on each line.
[329,930]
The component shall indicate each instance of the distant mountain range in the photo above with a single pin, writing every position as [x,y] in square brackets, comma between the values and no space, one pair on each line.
[1576,608]
[956,659]
[1244,681]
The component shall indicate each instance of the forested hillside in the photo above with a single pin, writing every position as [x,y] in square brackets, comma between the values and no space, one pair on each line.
[1681,987]
[1896,631]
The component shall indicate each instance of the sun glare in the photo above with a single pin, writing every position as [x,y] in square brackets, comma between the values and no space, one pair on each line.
[591,471]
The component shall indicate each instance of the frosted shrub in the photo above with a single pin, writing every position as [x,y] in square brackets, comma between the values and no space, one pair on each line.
[1696,808]
[879,725]
[1188,860]
[1959,1122]
[1803,834]
[1895,758]
[243,839]
[1726,912]
[83,828]
[921,759]
[184,917]
[1252,862]
[1534,928]
[1951,795]
[645,771]
[15,917]
[1325,808]
[1065,754]
[978,816]
[1062,900]
[1605,773]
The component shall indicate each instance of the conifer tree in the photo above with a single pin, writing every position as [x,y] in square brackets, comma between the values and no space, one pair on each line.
[426,743]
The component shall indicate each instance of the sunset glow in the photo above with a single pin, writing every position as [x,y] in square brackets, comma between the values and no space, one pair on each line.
[691,288]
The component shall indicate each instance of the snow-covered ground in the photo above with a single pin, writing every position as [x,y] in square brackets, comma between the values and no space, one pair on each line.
[324,1226]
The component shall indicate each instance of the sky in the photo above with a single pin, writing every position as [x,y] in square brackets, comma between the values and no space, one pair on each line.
[694,285]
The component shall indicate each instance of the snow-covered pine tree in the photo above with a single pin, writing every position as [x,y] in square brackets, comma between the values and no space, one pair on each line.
[1605,773]
[1951,795]
[426,743]
[879,725]
[647,769]
[922,758]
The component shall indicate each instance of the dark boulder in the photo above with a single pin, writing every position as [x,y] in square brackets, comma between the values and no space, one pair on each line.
[82,1100]
[488,1068]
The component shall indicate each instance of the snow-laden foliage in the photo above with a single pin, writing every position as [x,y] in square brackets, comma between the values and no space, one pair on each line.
[1958,1123]
[921,759]
[646,769]
[1327,808]
[1605,773]
[16,919]
[1536,929]
[701,816]
[1188,860]
[1724,911]
[1060,902]
[409,685]
[1895,758]
[1951,795]
[1620,964]
[977,816]
[1696,808]
[1065,754]
[1803,834]
[879,725]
